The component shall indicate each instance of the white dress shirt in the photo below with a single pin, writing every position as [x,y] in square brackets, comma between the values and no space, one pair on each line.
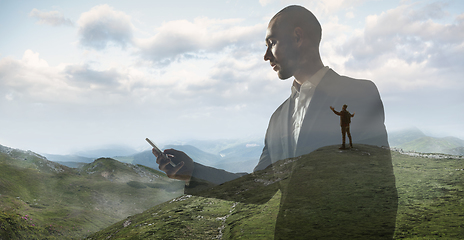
[299,102]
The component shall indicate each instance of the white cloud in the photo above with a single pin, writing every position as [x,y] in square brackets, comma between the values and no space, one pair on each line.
[32,60]
[265,2]
[174,40]
[102,25]
[32,79]
[53,18]
[408,33]
[230,80]
[182,39]
[83,75]
[322,8]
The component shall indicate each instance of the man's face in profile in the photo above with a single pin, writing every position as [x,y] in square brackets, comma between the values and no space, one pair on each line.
[280,52]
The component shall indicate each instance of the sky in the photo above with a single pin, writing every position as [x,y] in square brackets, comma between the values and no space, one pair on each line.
[80,75]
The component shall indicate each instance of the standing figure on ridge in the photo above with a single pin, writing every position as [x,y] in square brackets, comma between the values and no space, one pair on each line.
[345,120]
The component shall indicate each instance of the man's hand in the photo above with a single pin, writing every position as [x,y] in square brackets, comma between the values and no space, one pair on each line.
[183,170]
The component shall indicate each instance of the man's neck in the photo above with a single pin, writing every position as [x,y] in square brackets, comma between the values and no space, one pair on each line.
[305,73]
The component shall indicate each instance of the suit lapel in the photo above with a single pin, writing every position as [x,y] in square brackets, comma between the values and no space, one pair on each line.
[317,111]
[286,133]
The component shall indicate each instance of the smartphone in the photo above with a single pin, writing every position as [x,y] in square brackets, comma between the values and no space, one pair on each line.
[159,152]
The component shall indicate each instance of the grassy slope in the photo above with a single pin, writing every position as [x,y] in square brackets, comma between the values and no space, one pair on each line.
[191,217]
[431,206]
[71,204]
[431,197]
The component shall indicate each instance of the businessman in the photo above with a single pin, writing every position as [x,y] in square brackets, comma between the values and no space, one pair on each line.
[345,120]
[302,125]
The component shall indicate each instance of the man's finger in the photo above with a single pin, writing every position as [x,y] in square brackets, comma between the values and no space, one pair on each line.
[174,171]
[171,151]
[163,162]
[154,152]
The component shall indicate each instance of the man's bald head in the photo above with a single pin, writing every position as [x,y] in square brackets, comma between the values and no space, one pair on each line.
[295,16]
[292,39]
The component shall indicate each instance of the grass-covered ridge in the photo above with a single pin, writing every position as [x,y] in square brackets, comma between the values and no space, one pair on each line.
[430,198]
[45,200]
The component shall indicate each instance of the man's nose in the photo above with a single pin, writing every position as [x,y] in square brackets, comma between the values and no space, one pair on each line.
[268,55]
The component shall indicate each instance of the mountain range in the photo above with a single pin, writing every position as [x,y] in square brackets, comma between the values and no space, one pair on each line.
[233,156]
[415,140]
[242,156]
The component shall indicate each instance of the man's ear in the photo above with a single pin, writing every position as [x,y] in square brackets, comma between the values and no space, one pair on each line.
[298,34]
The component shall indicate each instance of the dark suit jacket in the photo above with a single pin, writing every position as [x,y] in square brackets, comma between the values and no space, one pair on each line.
[316,202]
[320,126]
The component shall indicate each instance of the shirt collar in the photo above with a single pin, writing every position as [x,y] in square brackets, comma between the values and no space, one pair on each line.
[311,82]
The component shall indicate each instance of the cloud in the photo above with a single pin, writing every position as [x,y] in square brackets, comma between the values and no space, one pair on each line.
[102,26]
[88,101]
[177,40]
[84,76]
[32,79]
[180,39]
[408,33]
[325,8]
[53,18]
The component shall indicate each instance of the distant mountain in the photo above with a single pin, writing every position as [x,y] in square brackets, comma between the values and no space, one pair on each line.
[230,155]
[415,140]
[433,145]
[196,154]
[454,141]
[398,138]
[145,158]
[77,160]
[456,151]
[241,157]
[218,145]
[107,151]
[41,199]
[72,164]
[68,158]
[236,158]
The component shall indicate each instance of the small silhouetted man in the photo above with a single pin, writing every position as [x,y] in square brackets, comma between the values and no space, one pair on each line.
[345,120]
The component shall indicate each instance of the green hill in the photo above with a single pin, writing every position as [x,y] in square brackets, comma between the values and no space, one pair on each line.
[417,141]
[448,145]
[430,193]
[41,199]
[398,138]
